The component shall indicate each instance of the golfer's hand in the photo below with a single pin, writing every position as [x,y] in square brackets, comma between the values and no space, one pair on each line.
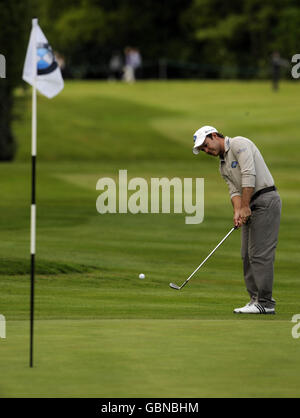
[245,213]
[237,220]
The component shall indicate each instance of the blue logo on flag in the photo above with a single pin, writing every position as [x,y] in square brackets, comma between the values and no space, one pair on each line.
[45,59]
[234,164]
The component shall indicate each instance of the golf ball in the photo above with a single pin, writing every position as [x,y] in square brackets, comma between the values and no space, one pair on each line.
[142,276]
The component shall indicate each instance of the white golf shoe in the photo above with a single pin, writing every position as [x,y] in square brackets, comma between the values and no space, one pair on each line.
[254,308]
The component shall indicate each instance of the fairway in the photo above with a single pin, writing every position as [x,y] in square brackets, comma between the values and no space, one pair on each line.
[100,330]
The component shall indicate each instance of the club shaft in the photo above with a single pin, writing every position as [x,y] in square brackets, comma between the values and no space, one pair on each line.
[195,271]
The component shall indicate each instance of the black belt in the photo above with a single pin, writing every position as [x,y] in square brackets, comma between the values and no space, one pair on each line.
[262,191]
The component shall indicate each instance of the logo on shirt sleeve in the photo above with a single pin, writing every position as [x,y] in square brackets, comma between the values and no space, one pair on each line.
[234,164]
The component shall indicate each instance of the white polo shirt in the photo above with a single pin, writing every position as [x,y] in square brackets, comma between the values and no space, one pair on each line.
[242,165]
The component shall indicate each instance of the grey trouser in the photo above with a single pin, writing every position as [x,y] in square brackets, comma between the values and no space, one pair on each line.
[259,241]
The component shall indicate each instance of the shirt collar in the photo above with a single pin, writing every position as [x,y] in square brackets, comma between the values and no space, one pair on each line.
[226,146]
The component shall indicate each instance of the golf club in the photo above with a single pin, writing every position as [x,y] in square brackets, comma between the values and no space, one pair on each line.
[174,286]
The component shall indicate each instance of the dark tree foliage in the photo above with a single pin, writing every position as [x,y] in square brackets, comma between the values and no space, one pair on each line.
[237,37]
[14,34]
[87,32]
[220,38]
[203,38]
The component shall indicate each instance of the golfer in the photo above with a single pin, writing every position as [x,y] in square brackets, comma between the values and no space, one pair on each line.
[257,208]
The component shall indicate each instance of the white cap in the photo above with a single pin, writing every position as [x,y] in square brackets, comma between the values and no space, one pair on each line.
[200,135]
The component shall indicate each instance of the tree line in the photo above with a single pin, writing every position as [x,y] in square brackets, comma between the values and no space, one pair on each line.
[194,38]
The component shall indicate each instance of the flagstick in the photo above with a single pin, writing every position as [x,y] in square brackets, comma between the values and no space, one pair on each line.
[33,212]
[33,221]
[51,86]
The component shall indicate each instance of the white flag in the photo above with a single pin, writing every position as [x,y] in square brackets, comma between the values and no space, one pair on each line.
[40,68]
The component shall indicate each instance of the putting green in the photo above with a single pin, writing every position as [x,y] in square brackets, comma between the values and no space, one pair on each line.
[152,358]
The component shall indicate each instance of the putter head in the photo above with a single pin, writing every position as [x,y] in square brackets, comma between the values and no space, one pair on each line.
[174,286]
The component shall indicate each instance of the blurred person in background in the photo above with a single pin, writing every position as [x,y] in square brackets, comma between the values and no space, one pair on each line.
[277,62]
[60,59]
[133,61]
[116,66]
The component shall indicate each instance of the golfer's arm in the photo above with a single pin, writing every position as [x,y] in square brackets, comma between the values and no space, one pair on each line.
[243,201]
[246,196]
[236,202]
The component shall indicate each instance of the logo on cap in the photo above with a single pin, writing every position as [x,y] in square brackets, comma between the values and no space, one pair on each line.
[195,137]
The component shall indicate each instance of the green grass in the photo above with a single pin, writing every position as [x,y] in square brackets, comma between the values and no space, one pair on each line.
[153,358]
[100,331]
